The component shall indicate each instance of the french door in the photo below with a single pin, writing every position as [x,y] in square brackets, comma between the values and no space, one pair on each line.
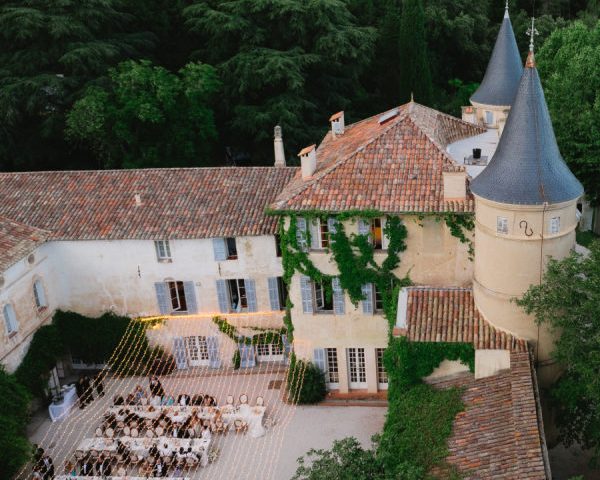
[197,351]
[357,369]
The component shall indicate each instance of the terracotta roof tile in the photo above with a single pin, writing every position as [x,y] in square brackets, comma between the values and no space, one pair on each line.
[182,203]
[450,315]
[395,166]
[499,435]
[17,241]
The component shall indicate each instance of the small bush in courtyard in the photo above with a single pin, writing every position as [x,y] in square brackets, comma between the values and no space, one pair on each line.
[306,382]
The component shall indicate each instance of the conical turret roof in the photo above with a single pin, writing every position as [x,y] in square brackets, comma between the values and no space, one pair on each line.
[527,167]
[502,76]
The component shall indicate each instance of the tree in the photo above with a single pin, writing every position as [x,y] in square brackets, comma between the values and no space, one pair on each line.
[347,460]
[568,301]
[148,117]
[281,62]
[415,76]
[569,64]
[50,51]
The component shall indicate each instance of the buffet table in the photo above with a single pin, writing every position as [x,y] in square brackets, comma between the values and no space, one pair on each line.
[62,409]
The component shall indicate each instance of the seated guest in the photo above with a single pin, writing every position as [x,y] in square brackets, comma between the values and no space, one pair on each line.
[87,467]
[37,473]
[197,400]
[153,452]
[103,468]
[168,400]
[206,434]
[183,400]
[118,400]
[160,469]
[47,466]
[130,400]
[138,394]
[70,469]
[176,431]
[190,454]
[178,471]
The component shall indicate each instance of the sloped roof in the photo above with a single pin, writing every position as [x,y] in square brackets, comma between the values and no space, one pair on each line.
[527,168]
[504,70]
[180,203]
[450,315]
[392,165]
[500,433]
[17,241]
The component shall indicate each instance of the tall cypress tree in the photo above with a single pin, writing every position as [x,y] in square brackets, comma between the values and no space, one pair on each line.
[415,76]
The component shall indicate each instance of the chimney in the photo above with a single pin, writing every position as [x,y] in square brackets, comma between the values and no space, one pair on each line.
[138,200]
[308,161]
[278,146]
[337,124]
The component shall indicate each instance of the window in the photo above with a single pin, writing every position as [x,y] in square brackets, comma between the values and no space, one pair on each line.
[332,365]
[10,319]
[177,293]
[323,233]
[163,250]
[231,249]
[262,349]
[357,369]
[278,245]
[502,225]
[489,118]
[555,225]
[282,292]
[382,377]
[323,298]
[376,234]
[237,294]
[39,295]
[378,299]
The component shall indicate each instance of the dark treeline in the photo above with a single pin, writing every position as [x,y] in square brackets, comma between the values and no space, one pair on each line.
[148,83]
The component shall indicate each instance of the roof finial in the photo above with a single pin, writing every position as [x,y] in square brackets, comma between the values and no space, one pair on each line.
[506,10]
[532,32]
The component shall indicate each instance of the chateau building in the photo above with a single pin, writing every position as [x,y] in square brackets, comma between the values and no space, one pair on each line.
[204,242]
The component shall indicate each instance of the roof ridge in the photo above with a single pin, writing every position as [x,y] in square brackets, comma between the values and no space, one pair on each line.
[153,169]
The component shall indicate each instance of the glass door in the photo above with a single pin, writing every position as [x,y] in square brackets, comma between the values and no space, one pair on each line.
[197,351]
[357,369]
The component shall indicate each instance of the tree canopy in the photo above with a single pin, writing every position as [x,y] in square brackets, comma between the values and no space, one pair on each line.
[567,301]
[569,64]
[148,117]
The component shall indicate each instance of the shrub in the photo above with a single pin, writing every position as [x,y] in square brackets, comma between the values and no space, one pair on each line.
[16,450]
[163,363]
[306,382]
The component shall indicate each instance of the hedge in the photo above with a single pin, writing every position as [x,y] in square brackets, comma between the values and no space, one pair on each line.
[305,382]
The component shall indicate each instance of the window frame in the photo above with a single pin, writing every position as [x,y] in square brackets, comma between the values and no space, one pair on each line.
[36,295]
[320,293]
[377,299]
[282,292]
[177,287]
[487,115]
[165,256]
[278,252]
[333,366]
[240,291]
[376,242]
[554,226]
[11,322]
[323,229]
[231,248]
[382,376]
[502,225]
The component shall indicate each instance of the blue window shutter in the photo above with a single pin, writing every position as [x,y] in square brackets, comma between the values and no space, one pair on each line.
[247,356]
[162,296]
[179,353]
[367,302]
[307,294]
[212,343]
[274,294]
[332,225]
[338,297]
[219,249]
[319,359]
[190,297]
[251,295]
[301,233]
[315,240]
[364,227]
[222,296]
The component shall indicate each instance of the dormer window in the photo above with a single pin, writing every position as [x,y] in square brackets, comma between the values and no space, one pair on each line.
[376,233]
[231,249]
[163,251]
[502,225]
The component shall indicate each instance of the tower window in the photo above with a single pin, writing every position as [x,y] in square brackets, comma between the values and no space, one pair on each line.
[502,225]
[554,225]
[489,118]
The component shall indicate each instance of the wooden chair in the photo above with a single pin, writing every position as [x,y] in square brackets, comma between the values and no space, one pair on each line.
[243,399]
[159,431]
[229,400]
[109,432]
[240,426]
[150,433]
[99,432]
[135,432]
[260,401]
[126,431]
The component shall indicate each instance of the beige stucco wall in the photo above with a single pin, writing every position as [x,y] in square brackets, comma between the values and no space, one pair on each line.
[500,114]
[491,362]
[506,265]
[448,368]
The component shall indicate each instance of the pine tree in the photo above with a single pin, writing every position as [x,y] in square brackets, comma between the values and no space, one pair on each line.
[415,76]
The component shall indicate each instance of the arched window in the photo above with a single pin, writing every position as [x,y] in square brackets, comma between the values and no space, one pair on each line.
[10,319]
[39,294]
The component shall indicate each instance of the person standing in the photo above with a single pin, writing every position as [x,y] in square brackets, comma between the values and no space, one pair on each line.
[156,387]
[79,389]
[99,384]
[47,467]
[87,390]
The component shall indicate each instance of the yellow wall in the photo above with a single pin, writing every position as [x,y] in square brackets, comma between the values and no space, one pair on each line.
[500,114]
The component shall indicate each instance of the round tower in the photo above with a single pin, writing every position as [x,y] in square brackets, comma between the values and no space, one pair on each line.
[494,97]
[525,212]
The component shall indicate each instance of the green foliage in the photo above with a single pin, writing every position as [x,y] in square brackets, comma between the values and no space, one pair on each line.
[282,62]
[266,335]
[148,117]
[347,460]
[569,64]
[567,301]
[14,415]
[586,238]
[236,360]
[305,382]
[45,349]
[415,75]
[459,224]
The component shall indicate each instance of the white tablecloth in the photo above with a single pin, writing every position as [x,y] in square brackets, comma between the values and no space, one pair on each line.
[253,416]
[62,409]
[112,477]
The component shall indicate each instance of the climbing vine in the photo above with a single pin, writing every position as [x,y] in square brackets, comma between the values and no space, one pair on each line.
[459,224]
[266,335]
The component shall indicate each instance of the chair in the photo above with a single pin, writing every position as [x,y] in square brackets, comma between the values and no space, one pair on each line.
[191,462]
[144,401]
[121,472]
[149,433]
[94,454]
[240,426]
[260,401]
[243,399]
[99,432]
[167,460]
[160,431]
[109,432]
[229,399]
[135,432]
[126,431]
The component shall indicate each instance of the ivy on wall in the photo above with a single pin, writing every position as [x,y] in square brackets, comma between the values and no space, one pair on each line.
[265,335]
[459,224]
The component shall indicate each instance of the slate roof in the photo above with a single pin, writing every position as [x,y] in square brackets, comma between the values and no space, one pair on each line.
[17,241]
[527,168]
[500,433]
[450,315]
[504,70]
[395,166]
[181,203]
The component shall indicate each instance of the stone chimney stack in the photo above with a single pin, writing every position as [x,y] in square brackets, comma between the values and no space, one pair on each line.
[278,146]
[337,124]
[308,161]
